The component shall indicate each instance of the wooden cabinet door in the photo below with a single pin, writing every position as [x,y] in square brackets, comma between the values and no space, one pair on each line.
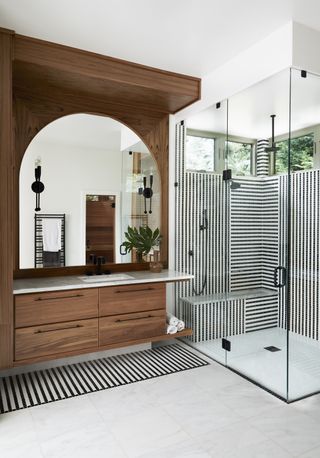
[131,327]
[115,300]
[55,307]
[37,341]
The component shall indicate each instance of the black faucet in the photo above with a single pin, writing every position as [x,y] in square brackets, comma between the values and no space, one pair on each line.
[100,260]
[97,261]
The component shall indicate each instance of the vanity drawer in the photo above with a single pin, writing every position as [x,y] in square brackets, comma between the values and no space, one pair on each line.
[45,340]
[132,326]
[132,298]
[55,307]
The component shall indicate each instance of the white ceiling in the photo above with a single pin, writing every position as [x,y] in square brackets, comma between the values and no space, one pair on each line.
[187,36]
[249,111]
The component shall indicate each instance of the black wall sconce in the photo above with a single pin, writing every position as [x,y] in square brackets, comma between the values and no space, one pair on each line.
[37,186]
[147,193]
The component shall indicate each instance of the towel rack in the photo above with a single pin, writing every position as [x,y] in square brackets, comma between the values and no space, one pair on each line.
[38,237]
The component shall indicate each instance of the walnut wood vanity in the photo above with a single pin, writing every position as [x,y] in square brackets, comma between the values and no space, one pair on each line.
[59,323]
[41,82]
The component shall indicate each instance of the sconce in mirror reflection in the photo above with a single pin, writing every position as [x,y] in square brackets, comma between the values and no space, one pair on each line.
[147,193]
[37,186]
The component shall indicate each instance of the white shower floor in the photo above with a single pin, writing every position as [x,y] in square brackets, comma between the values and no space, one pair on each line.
[249,357]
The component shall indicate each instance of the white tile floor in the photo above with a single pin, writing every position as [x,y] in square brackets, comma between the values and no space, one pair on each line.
[201,413]
[249,357]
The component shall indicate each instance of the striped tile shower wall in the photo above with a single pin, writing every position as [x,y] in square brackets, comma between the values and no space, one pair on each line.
[283,239]
[304,265]
[253,233]
[202,191]
[270,230]
[261,313]
[262,158]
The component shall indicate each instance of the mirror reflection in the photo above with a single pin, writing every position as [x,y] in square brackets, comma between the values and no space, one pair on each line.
[97,179]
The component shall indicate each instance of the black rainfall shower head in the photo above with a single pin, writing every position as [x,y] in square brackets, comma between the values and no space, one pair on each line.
[273,148]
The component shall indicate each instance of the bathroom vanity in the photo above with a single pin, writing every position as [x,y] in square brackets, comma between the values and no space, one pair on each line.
[66,316]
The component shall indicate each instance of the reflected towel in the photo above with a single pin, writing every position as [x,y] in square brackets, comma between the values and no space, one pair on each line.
[171,329]
[51,259]
[51,234]
[171,319]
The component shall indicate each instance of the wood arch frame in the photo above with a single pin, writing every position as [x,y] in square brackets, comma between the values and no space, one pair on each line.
[39,83]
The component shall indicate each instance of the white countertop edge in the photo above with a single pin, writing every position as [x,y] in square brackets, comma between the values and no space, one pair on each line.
[28,285]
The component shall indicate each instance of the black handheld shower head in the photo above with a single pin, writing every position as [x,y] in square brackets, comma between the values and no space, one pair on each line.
[204,224]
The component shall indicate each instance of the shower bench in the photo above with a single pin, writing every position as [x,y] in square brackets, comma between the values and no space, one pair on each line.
[237,312]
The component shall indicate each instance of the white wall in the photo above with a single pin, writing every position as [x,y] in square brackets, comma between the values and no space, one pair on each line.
[306,44]
[68,172]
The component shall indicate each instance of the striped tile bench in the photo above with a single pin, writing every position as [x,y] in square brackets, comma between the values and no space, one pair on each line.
[239,312]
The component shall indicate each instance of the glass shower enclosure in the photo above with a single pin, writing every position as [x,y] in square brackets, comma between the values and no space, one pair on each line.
[248,229]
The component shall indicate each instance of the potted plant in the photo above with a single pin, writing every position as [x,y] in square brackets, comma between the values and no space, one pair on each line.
[143,240]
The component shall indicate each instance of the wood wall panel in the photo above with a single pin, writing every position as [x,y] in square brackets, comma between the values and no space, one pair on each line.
[158,142]
[64,59]
[6,203]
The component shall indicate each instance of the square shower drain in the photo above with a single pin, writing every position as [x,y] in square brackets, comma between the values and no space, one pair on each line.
[272,348]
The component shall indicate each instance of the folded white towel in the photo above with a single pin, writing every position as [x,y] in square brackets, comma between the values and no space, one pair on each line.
[181,325]
[51,234]
[171,329]
[174,321]
[171,319]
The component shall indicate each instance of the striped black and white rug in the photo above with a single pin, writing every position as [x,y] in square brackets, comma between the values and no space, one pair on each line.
[49,385]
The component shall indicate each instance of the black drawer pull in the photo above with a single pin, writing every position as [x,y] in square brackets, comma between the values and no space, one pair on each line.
[134,290]
[41,331]
[134,319]
[56,298]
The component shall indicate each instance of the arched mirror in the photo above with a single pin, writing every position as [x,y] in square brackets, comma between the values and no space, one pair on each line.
[98,179]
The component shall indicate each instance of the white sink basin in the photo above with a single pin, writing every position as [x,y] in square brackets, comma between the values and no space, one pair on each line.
[105,278]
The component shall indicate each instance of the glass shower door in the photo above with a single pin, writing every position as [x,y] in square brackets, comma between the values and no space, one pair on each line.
[257,232]
[200,235]
[304,297]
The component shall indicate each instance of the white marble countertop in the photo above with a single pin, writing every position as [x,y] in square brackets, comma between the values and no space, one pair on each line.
[38,285]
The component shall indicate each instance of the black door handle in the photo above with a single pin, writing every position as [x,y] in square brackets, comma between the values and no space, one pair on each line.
[283,276]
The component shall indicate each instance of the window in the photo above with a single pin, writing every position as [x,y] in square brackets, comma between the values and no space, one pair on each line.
[199,153]
[240,158]
[301,154]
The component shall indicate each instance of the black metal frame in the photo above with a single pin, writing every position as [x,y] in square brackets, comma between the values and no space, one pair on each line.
[38,239]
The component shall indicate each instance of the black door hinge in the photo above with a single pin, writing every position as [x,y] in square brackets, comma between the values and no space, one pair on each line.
[227,175]
[303,73]
[226,344]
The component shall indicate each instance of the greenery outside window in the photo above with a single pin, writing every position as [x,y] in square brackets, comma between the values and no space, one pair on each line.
[199,153]
[301,154]
[240,158]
